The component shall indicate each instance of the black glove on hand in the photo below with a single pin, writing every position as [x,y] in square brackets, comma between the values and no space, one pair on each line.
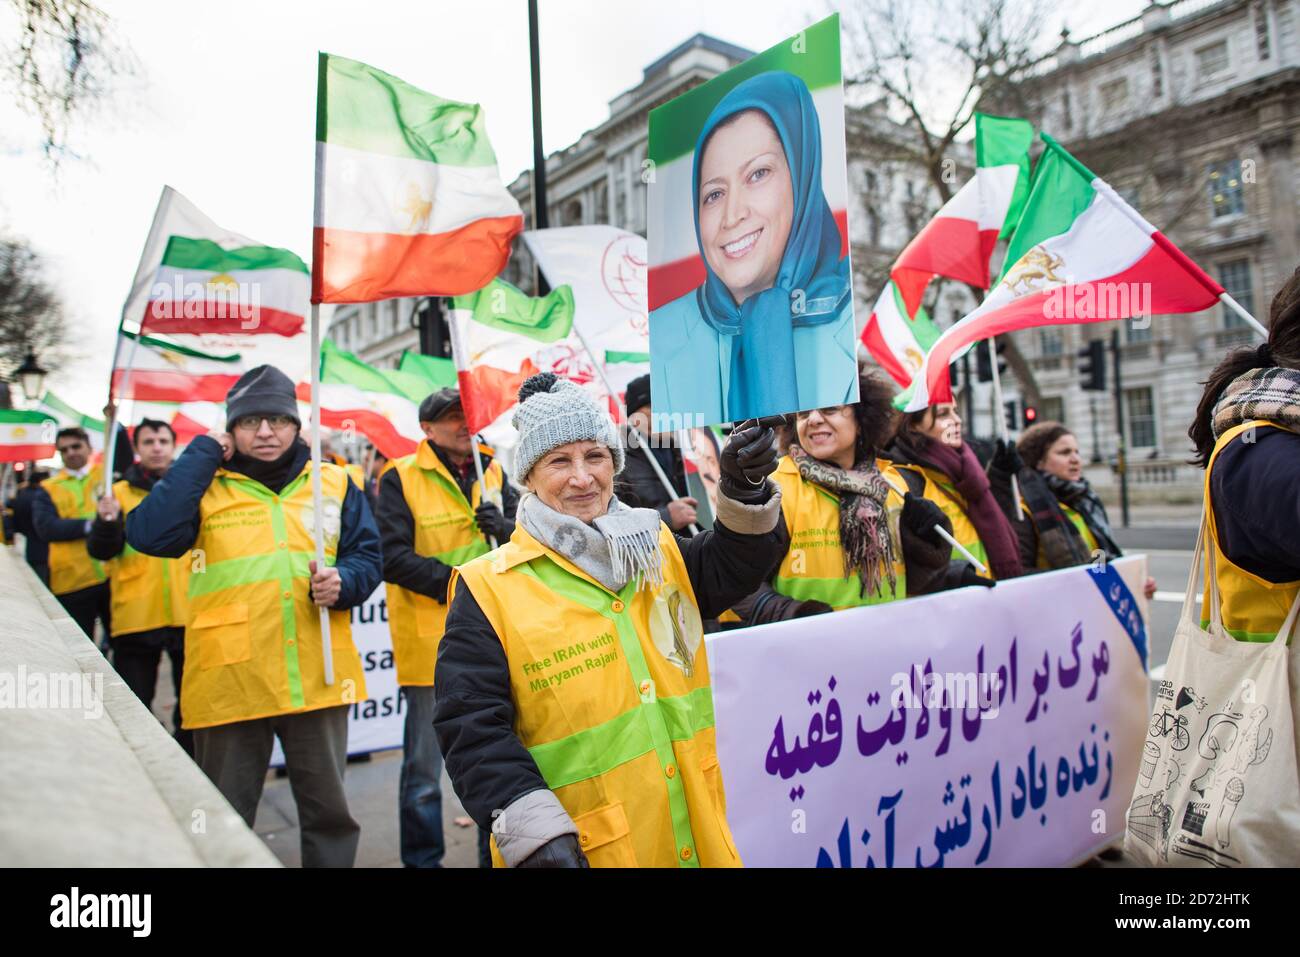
[969,576]
[920,516]
[811,607]
[1006,458]
[492,523]
[562,851]
[747,459]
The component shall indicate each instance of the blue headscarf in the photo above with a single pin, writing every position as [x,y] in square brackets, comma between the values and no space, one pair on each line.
[763,371]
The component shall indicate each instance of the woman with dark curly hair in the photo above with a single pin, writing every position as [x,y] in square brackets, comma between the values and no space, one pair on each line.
[1247,438]
[854,539]
[1061,521]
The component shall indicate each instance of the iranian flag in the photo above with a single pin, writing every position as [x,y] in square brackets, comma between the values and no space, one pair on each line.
[381,404]
[898,342]
[1079,254]
[409,201]
[69,417]
[192,419]
[203,287]
[440,373]
[958,242]
[26,435]
[166,371]
[502,337]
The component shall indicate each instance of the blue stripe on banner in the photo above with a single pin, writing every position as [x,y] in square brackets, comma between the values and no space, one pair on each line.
[1123,604]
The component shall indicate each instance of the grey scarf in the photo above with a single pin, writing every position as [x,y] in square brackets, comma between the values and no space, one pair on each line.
[1080,497]
[620,545]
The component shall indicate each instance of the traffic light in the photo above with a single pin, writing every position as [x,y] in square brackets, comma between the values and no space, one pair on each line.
[1009,410]
[984,368]
[1093,367]
[1031,416]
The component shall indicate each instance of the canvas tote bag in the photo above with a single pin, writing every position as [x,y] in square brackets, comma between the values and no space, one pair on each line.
[1219,781]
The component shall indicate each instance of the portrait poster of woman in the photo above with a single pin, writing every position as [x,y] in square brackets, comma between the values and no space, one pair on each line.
[750,286]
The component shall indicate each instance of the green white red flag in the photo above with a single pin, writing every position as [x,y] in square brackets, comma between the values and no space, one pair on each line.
[1079,254]
[898,342]
[409,201]
[163,370]
[26,435]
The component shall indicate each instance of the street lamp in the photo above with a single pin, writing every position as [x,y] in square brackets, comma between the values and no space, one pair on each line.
[32,377]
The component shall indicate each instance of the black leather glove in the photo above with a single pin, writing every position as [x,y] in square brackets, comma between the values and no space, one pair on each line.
[920,516]
[969,576]
[748,458]
[1006,458]
[562,851]
[492,523]
[807,609]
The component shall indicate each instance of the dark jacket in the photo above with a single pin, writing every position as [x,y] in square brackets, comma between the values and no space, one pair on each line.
[37,549]
[475,713]
[638,485]
[167,522]
[45,517]
[1043,515]
[402,566]
[107,539]
[1257,506]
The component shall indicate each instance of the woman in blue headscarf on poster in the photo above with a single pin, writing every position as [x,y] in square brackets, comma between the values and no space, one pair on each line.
[771,329]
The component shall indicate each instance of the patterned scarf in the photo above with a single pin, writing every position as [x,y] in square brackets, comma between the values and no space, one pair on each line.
[865,538]
[1272,394]
[618,546]
[1080,497]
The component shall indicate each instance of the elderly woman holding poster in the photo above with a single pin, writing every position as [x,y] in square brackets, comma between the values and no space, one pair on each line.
[771,328]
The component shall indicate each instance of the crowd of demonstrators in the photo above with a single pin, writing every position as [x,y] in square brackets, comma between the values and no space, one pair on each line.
[240,504]
[856,536]
[149,595]
[936,463]
[544,754]
[433,514]
[63,511]
[639,484]
[1247,438]
[1059,519]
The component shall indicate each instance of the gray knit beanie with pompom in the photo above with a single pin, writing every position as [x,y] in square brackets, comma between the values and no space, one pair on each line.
[552,412]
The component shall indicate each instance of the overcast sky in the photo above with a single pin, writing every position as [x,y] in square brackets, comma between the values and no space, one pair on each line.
[223,105]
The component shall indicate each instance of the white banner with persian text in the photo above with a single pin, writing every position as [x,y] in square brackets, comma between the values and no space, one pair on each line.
[991,727]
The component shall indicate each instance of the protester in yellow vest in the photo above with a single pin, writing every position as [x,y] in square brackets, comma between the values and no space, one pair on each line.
[854,539]
[573,699]
[1060,520]
[433,515]
[150,597]
[1247,436]
[254,656]
[937,464]
[62,513]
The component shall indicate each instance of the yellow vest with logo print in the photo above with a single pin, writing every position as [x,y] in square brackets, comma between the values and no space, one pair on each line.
[1254,609]
[147,592]
[612,700]
[253,642]
[940,490]
[445,530]
[71,567]
[813,567]
[1075,519]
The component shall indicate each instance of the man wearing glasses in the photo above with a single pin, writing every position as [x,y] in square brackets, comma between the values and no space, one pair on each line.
[240,504]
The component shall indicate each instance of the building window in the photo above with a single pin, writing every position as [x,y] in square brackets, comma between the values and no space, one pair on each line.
[1212,61]
[1261,31]
[1140,409]
[1052,409]
[1066,110]
[1050,341]
[1226,197]
[1157,74]
[1234,277]
[1114,94]
[1134,333]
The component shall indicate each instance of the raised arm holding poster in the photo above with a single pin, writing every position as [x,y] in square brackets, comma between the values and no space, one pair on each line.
[750,287]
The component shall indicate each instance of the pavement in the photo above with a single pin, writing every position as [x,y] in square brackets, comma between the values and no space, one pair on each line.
[1166,535]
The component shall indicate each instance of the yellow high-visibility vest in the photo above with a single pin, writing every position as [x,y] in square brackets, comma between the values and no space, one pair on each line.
[147,592]
[445,530]
[253,643]
[71,567]
[612,700]
[940,490]
[813,567]
[1253,608]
